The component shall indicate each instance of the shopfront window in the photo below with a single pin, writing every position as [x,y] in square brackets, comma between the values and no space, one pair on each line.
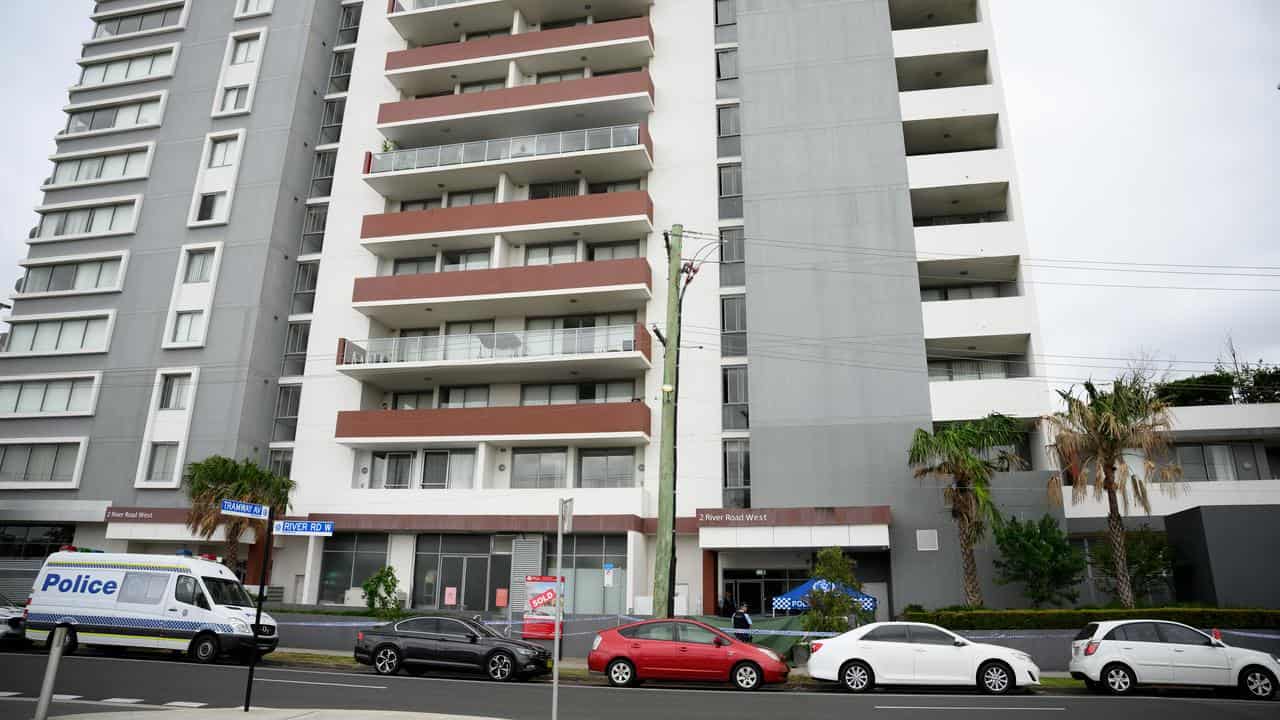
[33,541]
[469,573]
[347,561]
[587,561]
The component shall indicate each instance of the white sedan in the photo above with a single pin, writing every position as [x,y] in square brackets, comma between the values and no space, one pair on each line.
[1117,656]
[898,653]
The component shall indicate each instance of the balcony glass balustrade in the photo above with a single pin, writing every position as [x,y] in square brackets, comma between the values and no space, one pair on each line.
[501,345]
[557,143]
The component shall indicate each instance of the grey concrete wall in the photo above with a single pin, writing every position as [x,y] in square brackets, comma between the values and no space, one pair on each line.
[1225,549]
[245,334]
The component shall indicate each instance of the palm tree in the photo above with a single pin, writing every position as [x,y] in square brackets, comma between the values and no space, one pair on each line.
[216,478]
[1090,439]
[967,454]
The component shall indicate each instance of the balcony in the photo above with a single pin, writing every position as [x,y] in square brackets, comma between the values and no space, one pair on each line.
[590,102]
[978,239]
[946,39]
[951,134]
[958,169]
[603,47]
[608,424]
[950,102]
[982,318]
[1025,397]
[429,22]
[505,356]
[960,204]
[912,14]
[400,301]
[607,216]
[602,154]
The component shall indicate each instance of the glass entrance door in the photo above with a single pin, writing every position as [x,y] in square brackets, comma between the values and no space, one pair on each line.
[464,583]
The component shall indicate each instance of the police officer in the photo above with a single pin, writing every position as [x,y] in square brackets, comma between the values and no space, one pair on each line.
[742,621]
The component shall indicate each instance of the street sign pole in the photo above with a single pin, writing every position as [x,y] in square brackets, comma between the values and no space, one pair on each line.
[564,523]
[262,596]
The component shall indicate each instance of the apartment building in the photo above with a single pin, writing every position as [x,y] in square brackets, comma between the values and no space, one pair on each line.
[411,253]
[151,317]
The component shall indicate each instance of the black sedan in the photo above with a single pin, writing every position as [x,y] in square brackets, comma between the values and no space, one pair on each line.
[419,643]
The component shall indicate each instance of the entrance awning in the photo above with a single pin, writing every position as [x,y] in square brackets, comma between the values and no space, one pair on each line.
[848,527]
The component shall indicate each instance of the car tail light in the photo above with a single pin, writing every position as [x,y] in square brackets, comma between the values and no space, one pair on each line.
[596,643]
[1091,648]
[1217,634]
[26,609]
[360,636]
[814,647]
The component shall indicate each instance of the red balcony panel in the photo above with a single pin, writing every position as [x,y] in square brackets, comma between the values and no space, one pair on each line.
[522,43]
[510,214]
[627,417]
[644,343]
[509,98]
[533,278]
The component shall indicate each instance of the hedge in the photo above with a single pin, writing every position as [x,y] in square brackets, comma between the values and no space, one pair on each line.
[1076,619]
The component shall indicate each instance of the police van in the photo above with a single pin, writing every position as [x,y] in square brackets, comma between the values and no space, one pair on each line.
[170,602]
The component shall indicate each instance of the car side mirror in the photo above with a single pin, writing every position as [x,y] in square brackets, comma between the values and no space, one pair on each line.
[720,642]
[1214,642]
[959,643]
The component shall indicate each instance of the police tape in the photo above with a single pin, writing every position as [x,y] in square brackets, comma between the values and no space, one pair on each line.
[1264,636]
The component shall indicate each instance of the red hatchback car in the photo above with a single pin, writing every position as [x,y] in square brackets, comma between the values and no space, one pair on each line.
[682,650]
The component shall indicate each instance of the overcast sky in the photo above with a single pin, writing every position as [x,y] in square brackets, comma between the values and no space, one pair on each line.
[1145,131]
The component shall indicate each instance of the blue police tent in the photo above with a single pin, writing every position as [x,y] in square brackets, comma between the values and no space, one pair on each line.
[794,599]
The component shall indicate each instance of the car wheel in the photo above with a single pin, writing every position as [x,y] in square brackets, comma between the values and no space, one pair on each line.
[1118,679]
[500,666]
[386,660]
[995,678]
[747,676]
[857,677]
[1257,683]
[204,649]
[621,673]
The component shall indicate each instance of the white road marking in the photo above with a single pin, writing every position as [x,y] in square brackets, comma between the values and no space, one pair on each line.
[304,682]
[122,701]
[66,697]
[184,704]
[965,707]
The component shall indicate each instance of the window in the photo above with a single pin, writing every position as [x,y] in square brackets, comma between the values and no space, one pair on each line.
[726,64]
[234,98]
[295,348]
[424,204]
[222,153]
[887,633]
[922,635]
[414,266]
[347,561]
[187,326]
[538,468]
[46,396]
[286,419]
[322,173]
[143,588]
[349,24]
[977,368]
[558,24]
[99,220]
[542,191]
[128,69]
[72,277]
[731,180]
[100,168]
[655,631]
[113,117]
[464,198]
[697,634]
[734,398]
[578,393]
[162,459]
[199,266]
[213,207]
[1135,632]
[187,591]
[733,266]
[313,225]
[174,390]
[727,121]
[737,473]
[733,326]
[726,12]
[614,251]
[420,400]
[1179,635]
[613,187]
[33,541]
[137,22]
[247,7]
[245,50]
[551,254]
[38,462]
[331,120]
[472,396]
[304,288]
[58,336]
[606,467]
[393,469]
[548,78]
[453,469]
[484,86]
[1218,461]
[280,462]
[466,260]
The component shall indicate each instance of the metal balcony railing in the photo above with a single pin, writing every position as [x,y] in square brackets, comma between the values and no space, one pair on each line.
[493,345]
[556,143]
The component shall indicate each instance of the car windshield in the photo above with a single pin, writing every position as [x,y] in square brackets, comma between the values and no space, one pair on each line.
[227,592]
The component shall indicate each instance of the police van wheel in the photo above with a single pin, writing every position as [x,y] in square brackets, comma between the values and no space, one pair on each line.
[204,649]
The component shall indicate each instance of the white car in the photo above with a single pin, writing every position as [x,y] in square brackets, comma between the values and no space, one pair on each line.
[898,653]
[11,622]
[1117,656]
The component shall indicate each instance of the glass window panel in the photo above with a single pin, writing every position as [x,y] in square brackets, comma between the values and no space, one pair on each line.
[1179,635]
[113,166]
[37,279]
[47,336]
[65,171]
[148,112]
[40,463]
[103,118]
[1221,464]
[86,275]
[77,222]
[62,277]
[13,463]
[22,337]
[57,396]
[9,399]
[109,274]
[435,470]
[31,397]
[95,334]
[728,121]
[81,396]
[726,64]
[1246,461]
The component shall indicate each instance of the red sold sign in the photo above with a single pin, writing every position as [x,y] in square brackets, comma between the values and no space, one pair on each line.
[541,599]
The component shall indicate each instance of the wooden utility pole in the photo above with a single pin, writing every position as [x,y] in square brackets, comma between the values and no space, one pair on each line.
[664,565]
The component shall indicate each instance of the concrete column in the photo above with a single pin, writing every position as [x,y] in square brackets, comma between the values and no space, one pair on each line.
[571,467]
[519,24]
[514,76]
[499,259]
[506,188]
[638,580]
[311,572]
[400,557]
[483,451]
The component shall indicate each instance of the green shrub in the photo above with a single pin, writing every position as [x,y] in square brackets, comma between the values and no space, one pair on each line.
[381,594]
[1076,619]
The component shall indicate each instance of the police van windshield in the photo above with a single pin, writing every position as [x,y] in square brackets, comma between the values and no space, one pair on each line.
[227,592]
